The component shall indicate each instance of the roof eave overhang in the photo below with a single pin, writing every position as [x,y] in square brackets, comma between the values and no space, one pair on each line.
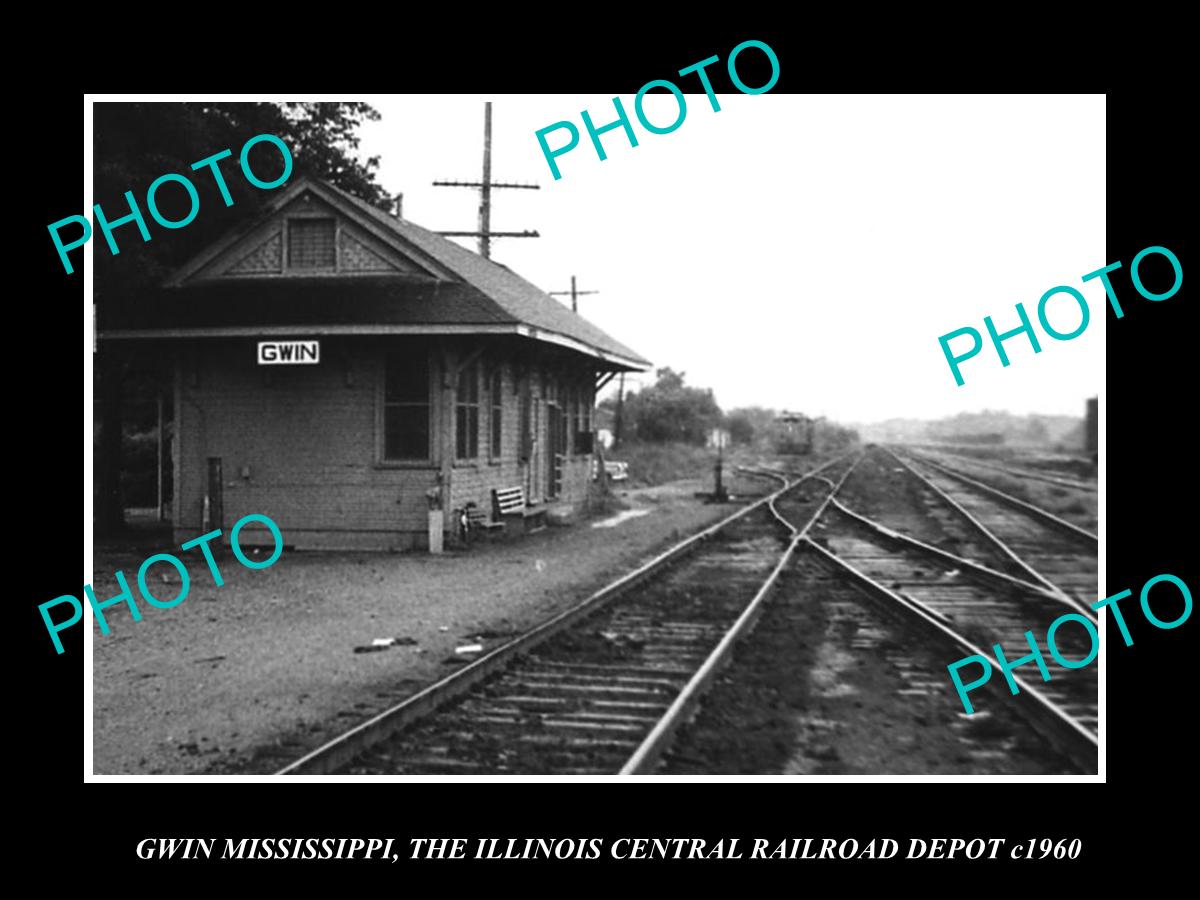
[614,361]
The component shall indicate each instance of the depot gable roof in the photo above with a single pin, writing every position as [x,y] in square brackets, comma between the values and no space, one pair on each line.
[391,276]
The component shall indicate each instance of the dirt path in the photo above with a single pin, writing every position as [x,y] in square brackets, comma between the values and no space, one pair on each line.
[269,661]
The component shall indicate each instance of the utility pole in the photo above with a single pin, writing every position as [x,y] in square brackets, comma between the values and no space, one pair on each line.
[620,412]
[485,189]
[574,294]
[485,233]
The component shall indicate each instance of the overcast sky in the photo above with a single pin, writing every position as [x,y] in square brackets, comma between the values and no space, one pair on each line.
[795,251]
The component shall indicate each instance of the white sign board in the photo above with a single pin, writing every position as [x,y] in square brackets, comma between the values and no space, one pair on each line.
[288,353]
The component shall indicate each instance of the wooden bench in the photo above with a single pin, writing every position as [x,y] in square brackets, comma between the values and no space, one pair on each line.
[509,504]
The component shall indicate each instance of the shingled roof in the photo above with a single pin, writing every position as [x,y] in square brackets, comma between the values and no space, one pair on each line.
[469,293]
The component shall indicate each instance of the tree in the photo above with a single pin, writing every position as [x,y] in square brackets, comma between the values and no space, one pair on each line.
[829,437]
[741,429]
[750,424]
[135,143]
[671,411]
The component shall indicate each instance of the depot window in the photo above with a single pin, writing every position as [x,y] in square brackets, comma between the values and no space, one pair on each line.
[467,413]
[406,407]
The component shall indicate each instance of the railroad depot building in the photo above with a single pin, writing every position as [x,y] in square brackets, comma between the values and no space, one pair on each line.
[340,370]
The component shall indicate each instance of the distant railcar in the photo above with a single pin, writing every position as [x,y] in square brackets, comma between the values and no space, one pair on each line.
[792,434]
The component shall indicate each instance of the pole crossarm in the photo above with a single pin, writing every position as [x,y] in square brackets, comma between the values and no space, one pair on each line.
[489,233]
[485,186]
[495,184]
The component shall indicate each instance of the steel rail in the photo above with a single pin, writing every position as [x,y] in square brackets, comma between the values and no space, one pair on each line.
[1019,473]
[774,510]
[652,747]
[1052,721]
[1062,595]
[946,555]
[1036,511]
[342,749]
[781,518]
[762,473]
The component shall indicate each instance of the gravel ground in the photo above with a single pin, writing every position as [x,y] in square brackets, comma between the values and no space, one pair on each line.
[1076,506]
[825,686]
[269,660]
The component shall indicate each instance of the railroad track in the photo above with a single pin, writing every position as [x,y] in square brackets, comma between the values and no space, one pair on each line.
[927,606]
[588,691]
[1039,568]
[1028,541]
[606,687]
[1058,480]
[835,681]
[981,608]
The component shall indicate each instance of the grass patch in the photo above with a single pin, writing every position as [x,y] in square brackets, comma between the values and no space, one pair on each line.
[654,464]
[1052,499]
[602,505]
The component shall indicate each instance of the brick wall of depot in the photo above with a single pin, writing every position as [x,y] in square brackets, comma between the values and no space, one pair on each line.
[297,444]
[300,444]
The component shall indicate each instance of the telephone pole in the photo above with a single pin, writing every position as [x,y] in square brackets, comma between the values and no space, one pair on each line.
[574,294]
[620,416]
[485,233]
